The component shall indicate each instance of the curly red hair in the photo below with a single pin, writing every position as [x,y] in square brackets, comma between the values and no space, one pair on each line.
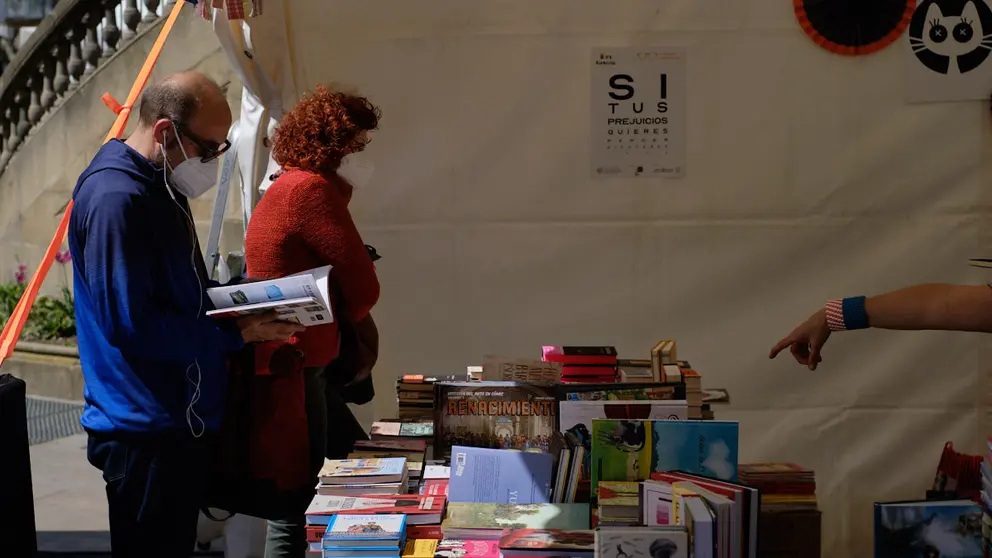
[322,128]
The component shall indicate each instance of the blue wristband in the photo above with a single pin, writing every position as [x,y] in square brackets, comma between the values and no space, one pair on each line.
[855,315]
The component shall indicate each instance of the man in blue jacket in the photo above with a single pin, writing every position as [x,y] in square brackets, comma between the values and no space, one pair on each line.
[153,363]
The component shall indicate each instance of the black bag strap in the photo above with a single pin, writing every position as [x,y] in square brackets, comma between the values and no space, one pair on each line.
[241,407]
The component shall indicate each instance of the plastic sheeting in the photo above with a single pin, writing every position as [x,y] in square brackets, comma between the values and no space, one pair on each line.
[808,177]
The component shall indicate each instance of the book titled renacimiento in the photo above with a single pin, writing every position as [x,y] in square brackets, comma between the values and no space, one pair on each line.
[504,415]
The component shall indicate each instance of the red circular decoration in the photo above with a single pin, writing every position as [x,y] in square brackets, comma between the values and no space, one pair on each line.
[845,23]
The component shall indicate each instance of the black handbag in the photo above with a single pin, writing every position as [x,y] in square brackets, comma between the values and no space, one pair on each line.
[236,485]
[342,371]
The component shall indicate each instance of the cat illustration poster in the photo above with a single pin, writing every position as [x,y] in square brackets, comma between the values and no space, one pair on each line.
[946,51]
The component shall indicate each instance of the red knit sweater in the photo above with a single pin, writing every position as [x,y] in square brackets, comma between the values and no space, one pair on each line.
[302,222]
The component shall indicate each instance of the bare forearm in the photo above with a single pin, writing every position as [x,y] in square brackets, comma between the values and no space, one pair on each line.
[933,306]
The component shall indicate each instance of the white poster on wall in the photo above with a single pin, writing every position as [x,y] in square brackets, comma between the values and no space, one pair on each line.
[946,51]
[638,112]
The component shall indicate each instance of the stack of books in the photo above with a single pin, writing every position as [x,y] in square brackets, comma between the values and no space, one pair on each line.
[374,535]
[782,485]
[529,459]
[694,392]
[349,477]
[583,364]
[415,397]
[413,450]
[630,371]
[398,429]
[423,507]
[619,504]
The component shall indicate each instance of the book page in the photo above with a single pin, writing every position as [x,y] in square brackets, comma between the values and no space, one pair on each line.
[301,298]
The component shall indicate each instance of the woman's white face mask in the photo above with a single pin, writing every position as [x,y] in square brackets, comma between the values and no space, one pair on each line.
[357,169]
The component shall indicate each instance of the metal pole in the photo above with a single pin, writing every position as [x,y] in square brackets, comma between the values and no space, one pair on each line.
[212,255]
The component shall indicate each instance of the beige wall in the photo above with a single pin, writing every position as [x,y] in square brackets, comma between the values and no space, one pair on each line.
[41,175]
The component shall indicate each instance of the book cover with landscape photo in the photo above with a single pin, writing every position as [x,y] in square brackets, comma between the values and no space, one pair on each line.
[501,415]
[928,528]
[708,448]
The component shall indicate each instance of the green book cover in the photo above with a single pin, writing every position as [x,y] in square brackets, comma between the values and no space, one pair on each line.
[621,451]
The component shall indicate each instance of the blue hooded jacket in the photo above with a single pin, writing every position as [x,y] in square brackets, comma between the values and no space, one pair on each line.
[144,340]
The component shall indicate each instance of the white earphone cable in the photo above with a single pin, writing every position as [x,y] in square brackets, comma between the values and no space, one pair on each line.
[196,429]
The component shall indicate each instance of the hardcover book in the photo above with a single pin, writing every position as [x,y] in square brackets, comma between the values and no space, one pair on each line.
[502,415]
[621,451]
[576,417]
[708,448]
[927,529]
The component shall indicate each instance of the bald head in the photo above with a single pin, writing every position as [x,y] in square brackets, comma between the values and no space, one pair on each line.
[188,107]
[180,97]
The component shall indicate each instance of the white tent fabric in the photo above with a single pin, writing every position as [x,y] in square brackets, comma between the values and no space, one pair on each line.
[808,177]
[265,87]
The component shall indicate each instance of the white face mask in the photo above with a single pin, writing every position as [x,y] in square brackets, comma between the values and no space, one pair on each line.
[192,177]
[357,169]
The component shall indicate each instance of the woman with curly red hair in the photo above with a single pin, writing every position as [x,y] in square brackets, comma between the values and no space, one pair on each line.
[302,222]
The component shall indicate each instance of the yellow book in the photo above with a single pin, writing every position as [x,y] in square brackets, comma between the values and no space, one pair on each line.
[680,491]
[419,548]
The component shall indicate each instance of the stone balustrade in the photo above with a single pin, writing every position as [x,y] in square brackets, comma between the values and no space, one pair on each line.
[67,47]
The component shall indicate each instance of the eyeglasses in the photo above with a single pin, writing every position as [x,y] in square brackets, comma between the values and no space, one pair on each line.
[208,150]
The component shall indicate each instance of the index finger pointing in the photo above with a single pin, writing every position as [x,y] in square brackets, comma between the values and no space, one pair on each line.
[780,345]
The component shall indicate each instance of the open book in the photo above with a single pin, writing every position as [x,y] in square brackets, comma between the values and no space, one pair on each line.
[302,298]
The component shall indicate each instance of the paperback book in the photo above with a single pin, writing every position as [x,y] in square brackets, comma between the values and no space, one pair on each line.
[302,298]
[365,531]
[499,476]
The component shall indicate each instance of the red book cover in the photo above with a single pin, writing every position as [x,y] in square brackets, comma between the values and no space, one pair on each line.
[581,355]
[315,533]
[436,487]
